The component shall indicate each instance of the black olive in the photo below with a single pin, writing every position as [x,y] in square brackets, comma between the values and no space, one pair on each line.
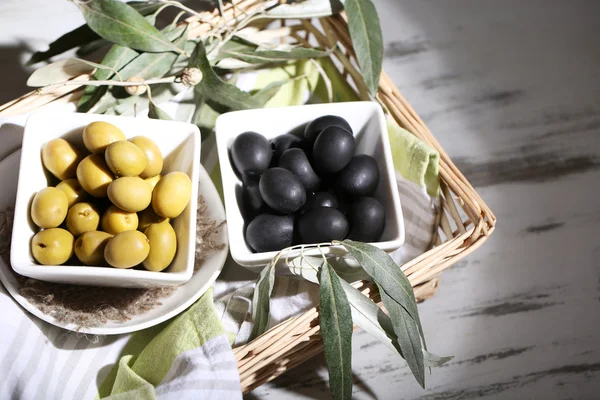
[269,232]
[320,199]
[333,149]
[322,224]
[295,160]
[252,202]
[282,190]
[283,142]
[360,177]
[316,126]
[367,219]
[251,155]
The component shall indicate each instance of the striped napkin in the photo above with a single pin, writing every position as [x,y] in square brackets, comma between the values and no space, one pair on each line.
[190,356]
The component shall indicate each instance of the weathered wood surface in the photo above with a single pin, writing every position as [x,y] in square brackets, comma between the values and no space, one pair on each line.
[512,91]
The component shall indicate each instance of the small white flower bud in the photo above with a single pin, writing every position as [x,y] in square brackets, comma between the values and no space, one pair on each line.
[191,76]
[135,90]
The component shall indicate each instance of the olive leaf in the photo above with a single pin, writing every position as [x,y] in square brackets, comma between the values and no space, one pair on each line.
[407,336]
[214,89]
[62,70]
[384,271]
[130,63]
[182,60]
[260,299]
[335,319]
[153,65]
[89,48]
[122,24]
[155,112]
[367,39]
[116,58]
[273,56]
[235,44]
[83,36]
[365,313]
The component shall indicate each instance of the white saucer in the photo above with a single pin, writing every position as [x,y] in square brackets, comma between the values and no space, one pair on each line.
[184,296]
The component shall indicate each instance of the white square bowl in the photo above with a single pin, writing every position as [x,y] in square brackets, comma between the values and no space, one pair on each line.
[367,122]
[180,146]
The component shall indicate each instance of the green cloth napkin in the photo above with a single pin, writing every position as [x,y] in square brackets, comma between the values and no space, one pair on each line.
[150,353]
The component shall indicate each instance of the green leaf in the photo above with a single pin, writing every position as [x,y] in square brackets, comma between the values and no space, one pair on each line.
[75,38]
[84,36]
[407,336]
[260,300]
[349,269]
[154,65]
[273,56]
[384,271]
[155,112]
[306,267]
[116,58]
[335,318]
[213,88]
[365,313]
[91,47]
[365,31]
[61,71]
[433,360]
[122,24]
[146,7]
[236,44]
[369,317]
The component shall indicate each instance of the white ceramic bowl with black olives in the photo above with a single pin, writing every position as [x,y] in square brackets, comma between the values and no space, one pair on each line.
[307,175]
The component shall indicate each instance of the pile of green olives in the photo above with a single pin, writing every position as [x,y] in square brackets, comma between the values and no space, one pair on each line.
[112,205]
[307,189]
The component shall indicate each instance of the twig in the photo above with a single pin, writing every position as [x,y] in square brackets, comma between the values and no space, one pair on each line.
[168,79]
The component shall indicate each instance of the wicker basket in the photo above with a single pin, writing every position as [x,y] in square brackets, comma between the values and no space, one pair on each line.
[465,221]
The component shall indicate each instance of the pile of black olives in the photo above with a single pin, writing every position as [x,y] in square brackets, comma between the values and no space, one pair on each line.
[309,189]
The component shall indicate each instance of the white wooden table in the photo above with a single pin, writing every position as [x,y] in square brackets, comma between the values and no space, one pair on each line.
[512,90]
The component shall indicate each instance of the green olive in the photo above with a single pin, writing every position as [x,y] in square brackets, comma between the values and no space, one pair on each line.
[127,249]
[60,158]
[98,135]
[149,217]
[82,217]
[130,193]
[89,247]
[94,176]
[153,181]
[73,190]
[114,220]
[49,207]
[171,194]
[153,154]
[52,246]
[125,159]
[163,246]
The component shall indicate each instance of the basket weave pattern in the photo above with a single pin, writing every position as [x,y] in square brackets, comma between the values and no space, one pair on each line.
[464,220]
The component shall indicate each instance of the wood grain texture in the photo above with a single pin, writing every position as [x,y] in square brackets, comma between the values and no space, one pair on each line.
[510,88]
[511,91]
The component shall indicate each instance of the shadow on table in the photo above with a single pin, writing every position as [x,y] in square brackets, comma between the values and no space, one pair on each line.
[14,75]
[12,137]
